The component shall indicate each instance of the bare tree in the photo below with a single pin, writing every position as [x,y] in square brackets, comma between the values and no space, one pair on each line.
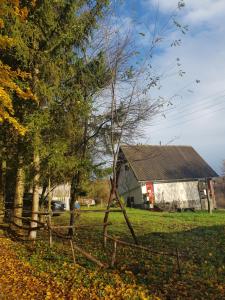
[130,102]
[129,106]
[125,102]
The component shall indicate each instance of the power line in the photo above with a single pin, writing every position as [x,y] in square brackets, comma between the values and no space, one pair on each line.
[197,104]
[186,121]
[207,99]
[202,100]
[184,113]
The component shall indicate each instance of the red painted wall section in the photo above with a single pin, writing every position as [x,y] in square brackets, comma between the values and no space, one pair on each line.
[150,191]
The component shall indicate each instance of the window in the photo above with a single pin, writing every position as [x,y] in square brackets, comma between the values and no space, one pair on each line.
[126,168]
[130,201]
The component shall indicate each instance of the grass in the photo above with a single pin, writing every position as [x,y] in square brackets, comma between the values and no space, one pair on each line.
[199,238]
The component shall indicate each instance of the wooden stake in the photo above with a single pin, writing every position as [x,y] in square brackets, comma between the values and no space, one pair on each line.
[114,253]
[50,230]
[114,192]
[50,212]
[178,262]
[72,248]
[126,218]
[107,215]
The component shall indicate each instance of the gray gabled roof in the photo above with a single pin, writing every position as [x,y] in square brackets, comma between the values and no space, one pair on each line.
[165,162]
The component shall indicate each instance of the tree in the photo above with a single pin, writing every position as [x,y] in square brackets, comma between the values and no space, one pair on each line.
[49,44]
[99,191]
[11,80]
[14,84]
[130,103]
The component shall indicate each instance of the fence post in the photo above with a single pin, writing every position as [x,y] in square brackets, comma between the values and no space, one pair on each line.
[50,229]
[72,248]
[114,253]
[105,235]
[178,262]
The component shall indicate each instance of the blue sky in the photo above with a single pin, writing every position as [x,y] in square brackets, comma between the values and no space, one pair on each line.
[197,116]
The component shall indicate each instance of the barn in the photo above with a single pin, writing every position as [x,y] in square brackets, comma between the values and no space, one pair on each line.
[167,177]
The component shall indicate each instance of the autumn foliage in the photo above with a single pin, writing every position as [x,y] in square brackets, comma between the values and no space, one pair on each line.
[19,280]
[10,79]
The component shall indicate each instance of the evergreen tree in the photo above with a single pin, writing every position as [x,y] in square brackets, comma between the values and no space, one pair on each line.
[49,46]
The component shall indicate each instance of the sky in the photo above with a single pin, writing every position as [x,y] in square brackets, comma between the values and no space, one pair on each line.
[192,73]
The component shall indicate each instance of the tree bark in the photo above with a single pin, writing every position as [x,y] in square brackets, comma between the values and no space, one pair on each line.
[2,187]
[19,192]
[76,181]
[42,197]
[73,197]
[35,200]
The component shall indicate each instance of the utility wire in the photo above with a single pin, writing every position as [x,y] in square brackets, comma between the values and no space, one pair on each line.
[189,120]
[184,114]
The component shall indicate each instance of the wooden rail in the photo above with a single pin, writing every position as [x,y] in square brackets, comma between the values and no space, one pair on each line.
[29,220]
[88,256]
[139,246]
[80,226]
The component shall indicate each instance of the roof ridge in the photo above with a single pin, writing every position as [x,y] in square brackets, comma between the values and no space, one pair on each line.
[146,145]
[167,162]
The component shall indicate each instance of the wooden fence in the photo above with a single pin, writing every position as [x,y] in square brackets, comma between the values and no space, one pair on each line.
[52,230]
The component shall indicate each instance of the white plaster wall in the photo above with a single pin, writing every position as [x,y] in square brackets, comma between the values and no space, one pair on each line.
[62,193]
[128,186]
[143,188]
[183,194]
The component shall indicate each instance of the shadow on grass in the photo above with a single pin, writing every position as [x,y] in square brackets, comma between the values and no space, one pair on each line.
[199,273]
[201,263]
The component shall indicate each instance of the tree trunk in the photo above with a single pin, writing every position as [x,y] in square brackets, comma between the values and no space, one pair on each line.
[77,178]
[35,200]
[42,197]
[73,197]
[2,188]
[19,191]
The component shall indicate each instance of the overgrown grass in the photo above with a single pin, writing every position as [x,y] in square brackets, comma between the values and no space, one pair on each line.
[199,238]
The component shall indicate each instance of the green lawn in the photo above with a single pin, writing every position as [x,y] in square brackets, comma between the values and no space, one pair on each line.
[198,237]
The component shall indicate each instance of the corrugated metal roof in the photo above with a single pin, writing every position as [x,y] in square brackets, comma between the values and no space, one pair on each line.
[166,162]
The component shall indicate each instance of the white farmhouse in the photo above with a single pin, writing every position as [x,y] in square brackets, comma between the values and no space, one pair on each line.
[164,176]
